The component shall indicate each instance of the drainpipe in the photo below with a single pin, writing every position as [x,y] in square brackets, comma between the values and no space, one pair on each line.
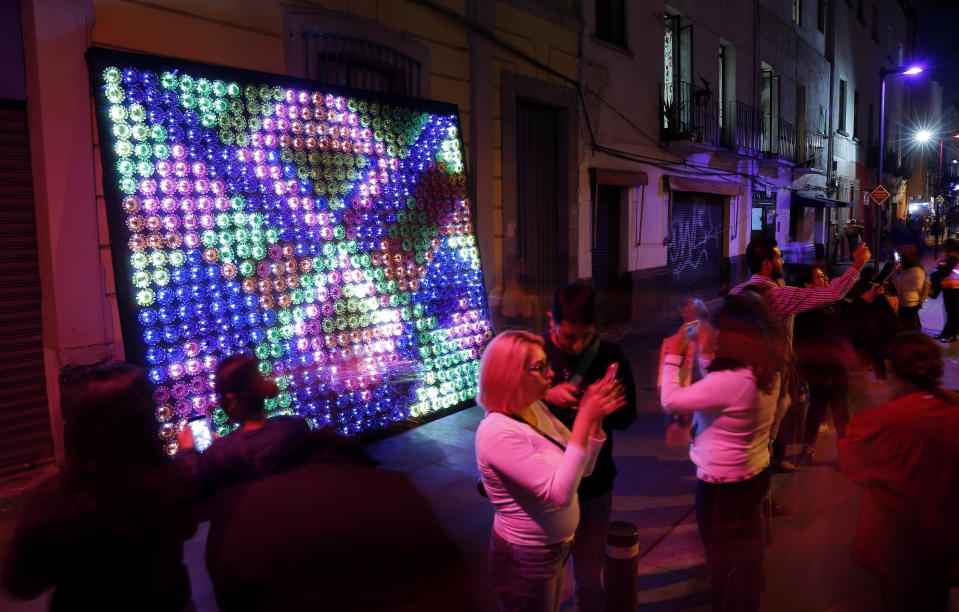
[830,52]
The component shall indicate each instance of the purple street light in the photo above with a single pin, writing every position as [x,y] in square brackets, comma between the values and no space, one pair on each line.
[883,73]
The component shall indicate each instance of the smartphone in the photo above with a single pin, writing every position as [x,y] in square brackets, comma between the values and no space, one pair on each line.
[700,308]
[612,369]
[202,433]
[897,257]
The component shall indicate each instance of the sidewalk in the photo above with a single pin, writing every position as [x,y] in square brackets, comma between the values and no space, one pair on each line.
[808,565]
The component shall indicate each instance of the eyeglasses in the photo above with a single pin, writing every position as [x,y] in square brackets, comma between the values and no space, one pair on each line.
[541,367]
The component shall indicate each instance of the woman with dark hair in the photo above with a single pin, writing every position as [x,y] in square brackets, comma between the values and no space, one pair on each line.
[531,466]
[102,533]
[908,281]
[734,408]
[258,445]
[905,454]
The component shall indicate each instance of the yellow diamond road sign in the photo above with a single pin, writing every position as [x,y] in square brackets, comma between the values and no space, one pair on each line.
[879,195]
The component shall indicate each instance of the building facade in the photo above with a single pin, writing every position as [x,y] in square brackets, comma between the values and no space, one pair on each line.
[638,144]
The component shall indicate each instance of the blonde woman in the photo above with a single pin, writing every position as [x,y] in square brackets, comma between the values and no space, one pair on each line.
[531,466]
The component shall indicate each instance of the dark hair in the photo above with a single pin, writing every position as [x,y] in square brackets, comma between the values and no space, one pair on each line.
[576,303]
[758,251]
[239,376]
[116,474]
[806,274]
[908,258]
[109,423]
[916,359]
[745,339]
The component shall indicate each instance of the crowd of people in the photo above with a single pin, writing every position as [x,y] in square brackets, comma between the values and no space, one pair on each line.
[295,521]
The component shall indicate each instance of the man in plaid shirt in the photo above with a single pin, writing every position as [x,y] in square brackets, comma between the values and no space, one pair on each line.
[784,302]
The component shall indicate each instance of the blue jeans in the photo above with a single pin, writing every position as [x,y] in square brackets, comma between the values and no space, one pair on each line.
[589,551]
[528,578]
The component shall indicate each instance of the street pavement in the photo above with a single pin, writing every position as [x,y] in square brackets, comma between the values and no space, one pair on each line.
[808,563]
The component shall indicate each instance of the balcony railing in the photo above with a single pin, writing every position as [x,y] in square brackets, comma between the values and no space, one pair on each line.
[689,113]
[812,151]
[778,138]
[744,131]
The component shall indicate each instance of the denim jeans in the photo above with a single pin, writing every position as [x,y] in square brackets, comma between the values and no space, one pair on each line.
[589,551]
[528,578]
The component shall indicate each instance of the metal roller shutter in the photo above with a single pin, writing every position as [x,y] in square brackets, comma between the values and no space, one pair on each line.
[25,438]
[537,217]
[695,250]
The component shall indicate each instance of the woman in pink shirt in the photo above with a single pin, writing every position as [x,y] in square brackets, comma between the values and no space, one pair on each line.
[531,466]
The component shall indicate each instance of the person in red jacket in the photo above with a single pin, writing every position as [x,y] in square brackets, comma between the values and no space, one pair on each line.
[905,454]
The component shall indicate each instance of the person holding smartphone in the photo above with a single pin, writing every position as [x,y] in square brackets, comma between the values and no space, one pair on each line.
[259,443]
[531,465]
[578,357]
[733,408]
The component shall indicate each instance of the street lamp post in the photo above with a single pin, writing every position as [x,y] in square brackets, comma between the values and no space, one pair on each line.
[883,73]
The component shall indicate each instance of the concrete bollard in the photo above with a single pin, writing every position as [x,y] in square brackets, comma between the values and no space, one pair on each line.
[622,566]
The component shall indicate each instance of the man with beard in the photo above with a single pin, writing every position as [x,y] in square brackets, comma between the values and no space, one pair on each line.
[782,304]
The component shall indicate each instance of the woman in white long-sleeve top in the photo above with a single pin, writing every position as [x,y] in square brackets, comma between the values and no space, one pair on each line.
[734,409]
[531,466]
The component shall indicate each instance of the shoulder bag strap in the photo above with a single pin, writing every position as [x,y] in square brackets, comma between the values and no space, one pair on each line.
[539,431]
[589,355]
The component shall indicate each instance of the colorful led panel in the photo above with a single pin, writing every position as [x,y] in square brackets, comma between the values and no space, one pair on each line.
[325,230]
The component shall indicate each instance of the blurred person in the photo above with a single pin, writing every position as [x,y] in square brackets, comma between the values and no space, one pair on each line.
[734,408]
[517,304]
[822,355]
[871,322]
[531,465]
[104,532]
[257,445]
[328,530]
[578,357]
[948,283]
[782,304]
[908,281]
[853,232]
[905,454]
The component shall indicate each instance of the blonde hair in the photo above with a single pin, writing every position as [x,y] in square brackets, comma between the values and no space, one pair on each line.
[502,368]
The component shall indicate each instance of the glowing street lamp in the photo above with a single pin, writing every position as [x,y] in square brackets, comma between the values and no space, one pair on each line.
[923,136]
[883,73]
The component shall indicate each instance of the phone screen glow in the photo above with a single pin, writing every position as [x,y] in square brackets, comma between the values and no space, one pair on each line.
[202,436]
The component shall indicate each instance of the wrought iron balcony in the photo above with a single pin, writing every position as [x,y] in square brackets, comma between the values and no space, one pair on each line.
[688,113]
[778,138]
[811,152]
[742,129]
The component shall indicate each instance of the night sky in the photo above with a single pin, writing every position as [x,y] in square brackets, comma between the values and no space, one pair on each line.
[937,43]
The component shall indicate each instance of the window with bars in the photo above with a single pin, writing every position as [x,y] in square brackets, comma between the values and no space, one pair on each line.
[353,62]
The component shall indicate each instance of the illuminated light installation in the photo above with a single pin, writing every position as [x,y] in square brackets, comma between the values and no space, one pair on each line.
[325,230]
